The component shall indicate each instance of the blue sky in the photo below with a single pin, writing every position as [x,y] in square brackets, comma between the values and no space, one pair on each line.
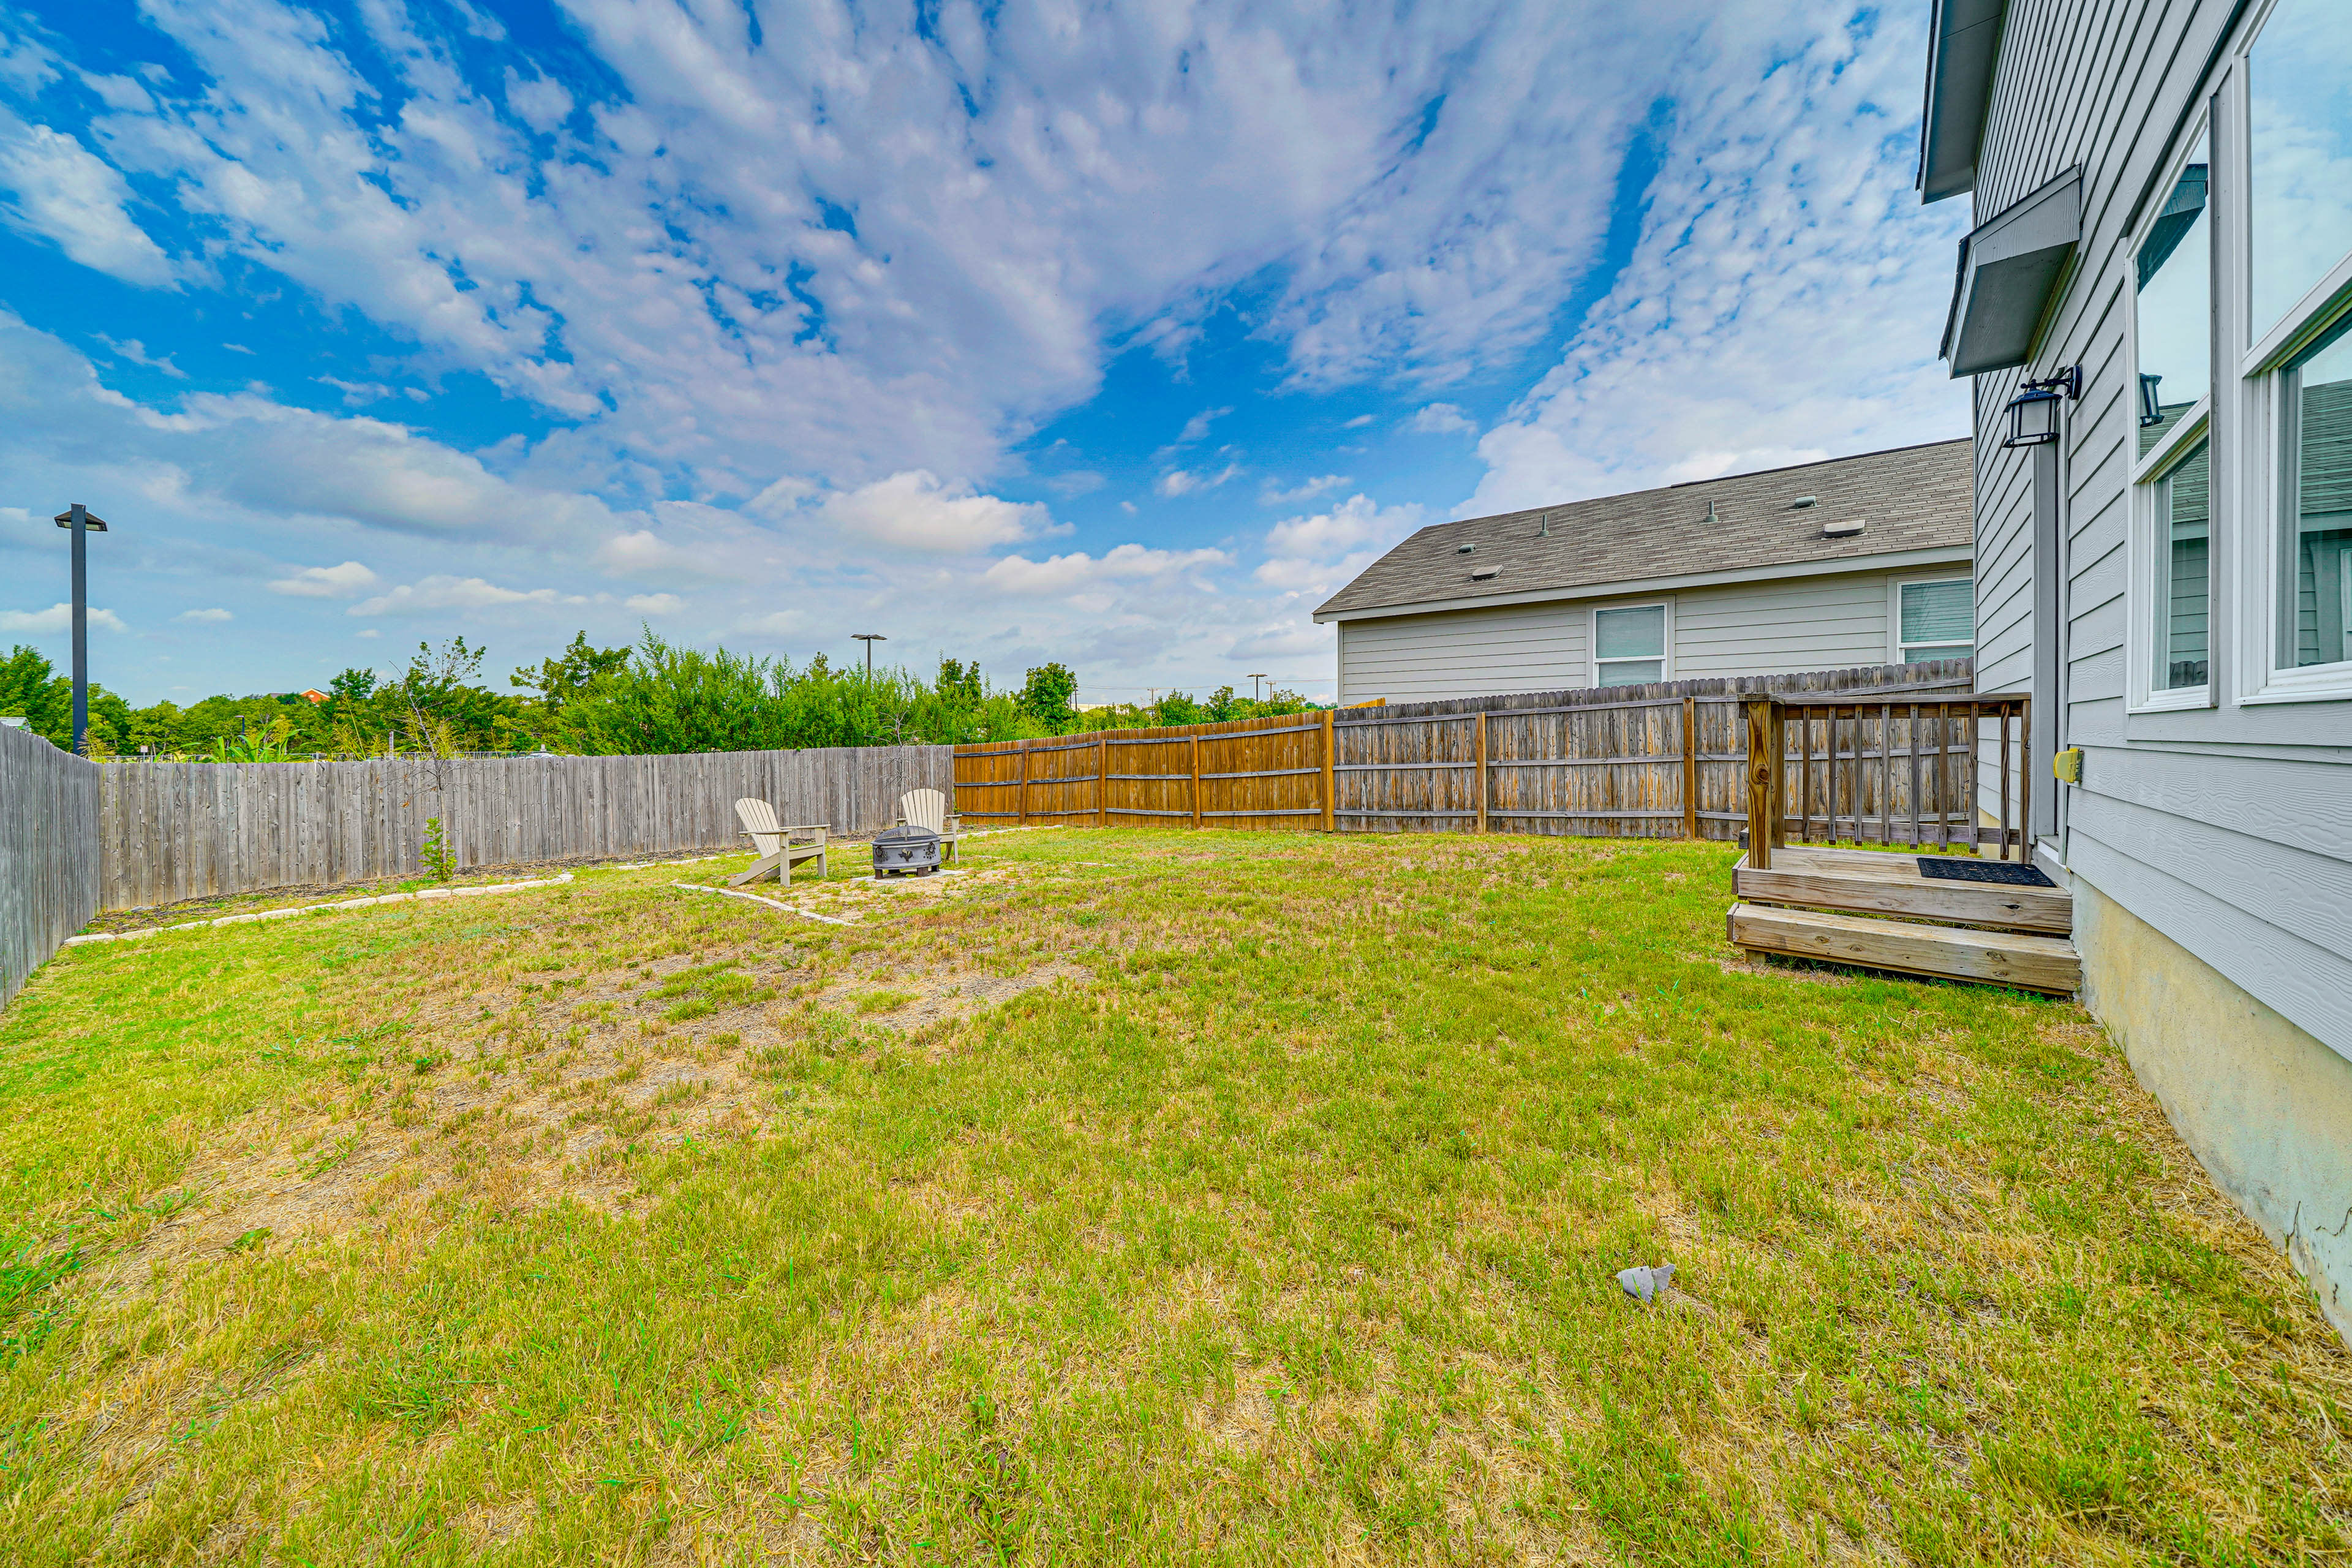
[1111,335]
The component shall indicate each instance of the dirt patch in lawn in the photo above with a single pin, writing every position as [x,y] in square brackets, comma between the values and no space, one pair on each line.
[531,1117]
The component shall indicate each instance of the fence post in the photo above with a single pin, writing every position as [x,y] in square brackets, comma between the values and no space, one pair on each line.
[1690,767]
[1024,783]
[1102,779]
[1481,770]
[1330,735]
[1196,778]
[1763,777]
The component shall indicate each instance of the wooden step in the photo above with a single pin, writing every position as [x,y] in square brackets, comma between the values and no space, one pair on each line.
[1995,957]
[1874,883]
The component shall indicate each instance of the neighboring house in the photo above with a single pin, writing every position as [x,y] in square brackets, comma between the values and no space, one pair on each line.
[1856,561]
[2164,206]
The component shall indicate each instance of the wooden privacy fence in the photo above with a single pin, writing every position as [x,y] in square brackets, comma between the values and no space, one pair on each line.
[1888,771]
[168,831]
[48,851]
[1666,760]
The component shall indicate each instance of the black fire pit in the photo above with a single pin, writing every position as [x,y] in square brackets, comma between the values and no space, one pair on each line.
[906,852]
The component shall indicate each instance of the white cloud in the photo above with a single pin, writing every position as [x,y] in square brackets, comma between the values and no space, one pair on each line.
[56,620]
[775,622]
[642,552]
[1306,489]
[654,604]
[1196,427]
[326,582]
[1356,522]
[60,193]
[1782,301]
[918,510]
[1440,419]
[1313,555]
[1184,482]
[136,352]
[1077,571]
[356,392]
[206,616]
[430,594]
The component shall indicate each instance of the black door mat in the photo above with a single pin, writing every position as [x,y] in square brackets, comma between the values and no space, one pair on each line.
[1969,868]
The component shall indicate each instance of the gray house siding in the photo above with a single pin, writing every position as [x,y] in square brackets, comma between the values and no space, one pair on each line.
[2229,830]
[1784,626]
[1463,653]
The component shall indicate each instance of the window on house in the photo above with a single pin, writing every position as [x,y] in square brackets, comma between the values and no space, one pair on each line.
[2181,554]
[2299,271]
[2172,324]
[2315,482]
[1938,620]
[2299,154]
[2174,312]
[1629,646]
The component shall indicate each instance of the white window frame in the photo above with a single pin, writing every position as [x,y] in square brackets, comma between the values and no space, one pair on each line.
[2151,560]
[2258,454]
[1896,646]
[2145,561]
[1665,646]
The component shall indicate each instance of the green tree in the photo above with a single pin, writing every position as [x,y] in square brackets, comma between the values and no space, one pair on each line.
[31,689]
[558,680]
[1045,697]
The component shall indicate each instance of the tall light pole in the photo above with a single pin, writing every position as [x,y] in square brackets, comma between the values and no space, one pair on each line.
[869,639]
[77,518]
[1255,678]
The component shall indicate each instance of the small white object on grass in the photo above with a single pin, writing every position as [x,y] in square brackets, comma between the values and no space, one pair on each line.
[1643,1282]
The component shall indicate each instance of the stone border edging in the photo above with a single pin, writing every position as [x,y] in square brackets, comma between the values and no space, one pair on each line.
[771,903]
[317,909]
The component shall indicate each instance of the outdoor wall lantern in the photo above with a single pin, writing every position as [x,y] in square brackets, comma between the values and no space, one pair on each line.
[2033,412]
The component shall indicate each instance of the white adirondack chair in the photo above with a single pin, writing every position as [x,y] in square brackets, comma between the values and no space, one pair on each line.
[780,846]
[928,808]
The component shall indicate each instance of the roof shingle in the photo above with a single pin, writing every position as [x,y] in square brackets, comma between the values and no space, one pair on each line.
[1911,498]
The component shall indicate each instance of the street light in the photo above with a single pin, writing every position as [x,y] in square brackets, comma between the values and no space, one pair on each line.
[77,518]
[1256,676]
[869,639]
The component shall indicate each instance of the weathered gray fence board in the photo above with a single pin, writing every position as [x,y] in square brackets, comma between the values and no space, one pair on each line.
[49,821]
[168,831]
[1606,763]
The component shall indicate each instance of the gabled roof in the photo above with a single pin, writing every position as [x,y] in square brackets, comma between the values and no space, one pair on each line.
[1910,500]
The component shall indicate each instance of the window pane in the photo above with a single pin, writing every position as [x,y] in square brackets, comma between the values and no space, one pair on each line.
[2183,508]
[1939,612]
[1631,634]
[2175,306]
[1934,651]
[2300,153]
[2319,467]
[1631,671]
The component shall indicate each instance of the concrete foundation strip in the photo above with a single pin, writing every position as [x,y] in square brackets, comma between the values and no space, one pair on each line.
[321,908]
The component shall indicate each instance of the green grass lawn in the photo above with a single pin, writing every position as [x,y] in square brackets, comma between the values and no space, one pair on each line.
[1134,1198]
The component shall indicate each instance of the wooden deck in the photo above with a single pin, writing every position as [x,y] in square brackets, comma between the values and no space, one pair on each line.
[1868,882]
[2046,963]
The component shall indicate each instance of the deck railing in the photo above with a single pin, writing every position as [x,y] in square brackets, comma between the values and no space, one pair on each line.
[1884,771]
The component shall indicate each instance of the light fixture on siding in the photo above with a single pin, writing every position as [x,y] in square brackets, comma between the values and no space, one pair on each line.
[2033,412]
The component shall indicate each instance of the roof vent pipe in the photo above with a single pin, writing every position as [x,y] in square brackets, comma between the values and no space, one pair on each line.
[1710,512]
